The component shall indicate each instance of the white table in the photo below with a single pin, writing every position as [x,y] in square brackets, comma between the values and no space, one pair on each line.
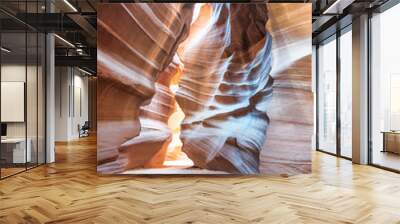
[18,155]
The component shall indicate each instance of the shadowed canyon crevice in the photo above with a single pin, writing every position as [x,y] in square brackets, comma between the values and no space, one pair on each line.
[130,60]
[225,88]
[188,88]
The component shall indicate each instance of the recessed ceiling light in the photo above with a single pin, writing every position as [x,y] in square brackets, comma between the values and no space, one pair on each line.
[5,50]
[84,71]
[337,7]
[70,5]
[65,41]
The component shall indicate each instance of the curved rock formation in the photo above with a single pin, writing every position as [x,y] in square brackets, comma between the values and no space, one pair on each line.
[288,146]
[225,87]
[224,94]
[131,55]
[149,148]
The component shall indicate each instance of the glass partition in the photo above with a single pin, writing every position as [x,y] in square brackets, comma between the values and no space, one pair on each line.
[31,100]
[385,89]
[346,93]
[327,96]
[22,88]
[41,97]
[13,109]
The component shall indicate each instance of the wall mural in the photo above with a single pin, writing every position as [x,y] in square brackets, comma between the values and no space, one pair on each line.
[204,88]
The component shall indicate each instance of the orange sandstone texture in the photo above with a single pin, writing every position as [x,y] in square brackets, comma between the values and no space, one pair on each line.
[225,89]
[237,81]
[136,43]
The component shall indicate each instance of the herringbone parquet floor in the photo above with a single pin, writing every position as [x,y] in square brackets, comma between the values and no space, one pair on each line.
[70,191]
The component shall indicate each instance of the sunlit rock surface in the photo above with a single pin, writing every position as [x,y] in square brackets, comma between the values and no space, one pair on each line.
[225,88]
[211,67]
[136,43]
[287,149]
[149,148]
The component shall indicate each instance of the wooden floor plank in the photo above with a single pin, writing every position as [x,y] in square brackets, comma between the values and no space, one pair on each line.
[70,191]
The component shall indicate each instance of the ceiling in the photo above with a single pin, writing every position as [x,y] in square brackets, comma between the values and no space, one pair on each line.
[74,21]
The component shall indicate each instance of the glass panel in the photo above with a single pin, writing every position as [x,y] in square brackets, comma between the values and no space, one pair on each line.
[31,100]
[32,89]
[327,97]
[23,90]
[41,98]
[346,94]
[13,91]
[386,89]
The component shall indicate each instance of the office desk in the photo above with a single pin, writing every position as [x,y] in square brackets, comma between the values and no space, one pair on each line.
[391,141]
[13,150]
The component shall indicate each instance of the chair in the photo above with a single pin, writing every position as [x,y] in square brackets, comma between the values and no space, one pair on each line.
[84,130]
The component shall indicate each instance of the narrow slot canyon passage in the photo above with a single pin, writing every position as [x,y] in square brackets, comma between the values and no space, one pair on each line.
[162,118]
[222,76]
[175,157]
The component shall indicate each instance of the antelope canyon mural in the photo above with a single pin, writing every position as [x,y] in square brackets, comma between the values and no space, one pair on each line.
[205,88]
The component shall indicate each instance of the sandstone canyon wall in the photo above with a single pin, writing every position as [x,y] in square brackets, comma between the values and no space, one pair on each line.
[194,81]
[287,149]
[136,43]
[225,87]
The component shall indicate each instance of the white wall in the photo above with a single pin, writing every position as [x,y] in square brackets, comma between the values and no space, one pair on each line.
[62,81]
[81,102]
[71,94]
[33,127]
[13,73]
[13,101]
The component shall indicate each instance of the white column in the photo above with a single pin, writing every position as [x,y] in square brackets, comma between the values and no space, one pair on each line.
[50,99]
[360,90]
[314,90]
